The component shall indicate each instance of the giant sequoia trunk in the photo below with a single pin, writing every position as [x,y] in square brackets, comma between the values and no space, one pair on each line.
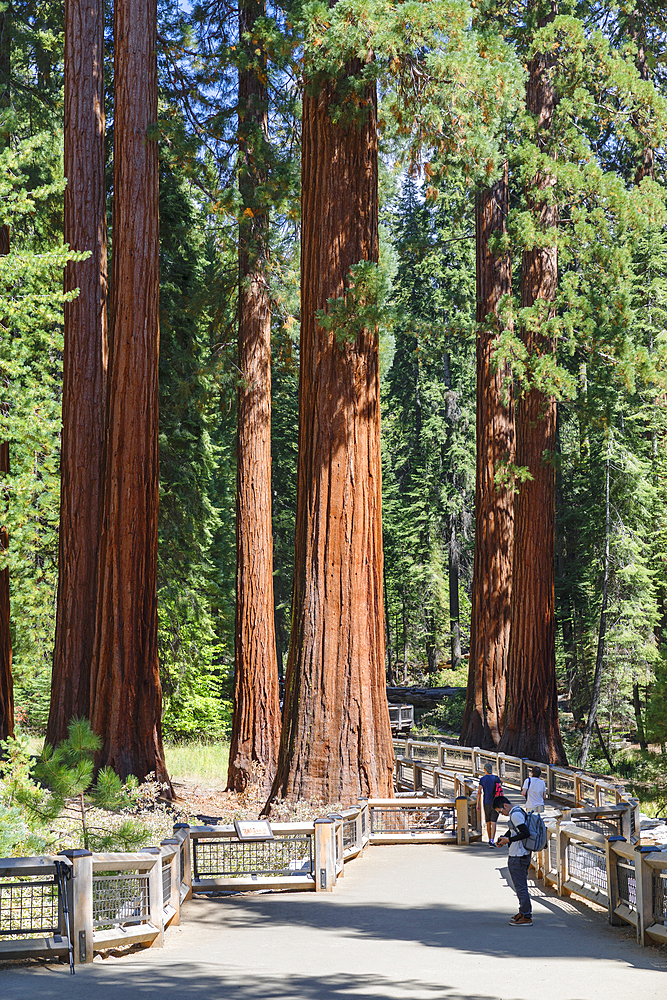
[531,717]
[494,515]
[336,740]
[6,679]
[256,721]
[125,685]
[84,366]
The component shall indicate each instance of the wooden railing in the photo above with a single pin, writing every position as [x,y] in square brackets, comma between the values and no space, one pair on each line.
[593,848]
[121,898]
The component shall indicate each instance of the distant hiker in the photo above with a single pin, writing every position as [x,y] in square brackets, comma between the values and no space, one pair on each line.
[534,790]
[487,790]
[518,861]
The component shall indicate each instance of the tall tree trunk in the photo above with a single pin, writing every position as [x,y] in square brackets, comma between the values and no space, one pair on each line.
[256,720]
[531,715]
[454,558]
[6,679]
[125,683]
[84,366]
[336,740]
[494,515]
[602,631]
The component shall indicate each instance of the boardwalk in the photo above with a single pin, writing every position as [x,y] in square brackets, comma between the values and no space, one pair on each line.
[411,922]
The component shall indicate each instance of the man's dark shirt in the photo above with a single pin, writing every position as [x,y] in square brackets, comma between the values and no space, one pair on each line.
[488,785]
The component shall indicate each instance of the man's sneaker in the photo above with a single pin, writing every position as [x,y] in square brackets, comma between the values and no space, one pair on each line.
[520,921]
[492,843]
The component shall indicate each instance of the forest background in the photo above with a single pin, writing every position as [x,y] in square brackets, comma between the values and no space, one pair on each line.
[611,403]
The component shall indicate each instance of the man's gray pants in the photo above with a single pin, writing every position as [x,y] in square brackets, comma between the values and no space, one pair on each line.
[518,868]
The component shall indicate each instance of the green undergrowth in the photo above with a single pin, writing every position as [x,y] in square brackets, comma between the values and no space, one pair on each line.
[195,760]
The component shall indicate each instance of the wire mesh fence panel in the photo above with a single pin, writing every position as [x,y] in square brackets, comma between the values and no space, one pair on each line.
[363,822]
[587,789]
[412,819]
[608,796]
[460,758]
[349,834]
[627,887]
[587,865]
[426,779]
[28,907]
[446,785]
[511,771]
[553,854]
[660,897]
[405,773]
[425,751]
[608,825]
[487,758]
[166,883]
[563,784]
[121,899]
[182,854]
[288,855]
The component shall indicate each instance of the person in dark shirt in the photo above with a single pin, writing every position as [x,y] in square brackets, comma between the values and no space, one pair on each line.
[488,788]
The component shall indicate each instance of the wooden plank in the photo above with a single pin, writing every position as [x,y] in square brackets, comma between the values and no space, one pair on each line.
[625,913]
[576,889]
[426,802]
[623,850]
[413,838]
[295,882]
[124,862]
[657,860]
[657,933]
[114,937]
[13,867]
[33,948]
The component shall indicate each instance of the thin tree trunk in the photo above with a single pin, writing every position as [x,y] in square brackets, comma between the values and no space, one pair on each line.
[454,608]
[6,678]
[125,682]
[390,668]
[531,715]
[84,366]
[599,659]
[404,621]
[256,719]
[641,735]
[494,515]
[336,741]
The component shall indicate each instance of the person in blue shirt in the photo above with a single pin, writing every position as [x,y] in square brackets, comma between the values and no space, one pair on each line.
[489,786]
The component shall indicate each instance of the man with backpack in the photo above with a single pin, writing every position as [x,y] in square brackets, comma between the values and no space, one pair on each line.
[518,862]
[488,789]
[534,789]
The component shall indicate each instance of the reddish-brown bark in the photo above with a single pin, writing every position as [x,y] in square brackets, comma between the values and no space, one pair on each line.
[256,720]
[84,366]
[494,514]
[531,720]
[336,740]
[125,684]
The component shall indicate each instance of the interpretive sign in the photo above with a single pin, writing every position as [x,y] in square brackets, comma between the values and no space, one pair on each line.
[253,829]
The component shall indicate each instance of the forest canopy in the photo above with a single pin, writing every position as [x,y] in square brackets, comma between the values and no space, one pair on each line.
[560,108]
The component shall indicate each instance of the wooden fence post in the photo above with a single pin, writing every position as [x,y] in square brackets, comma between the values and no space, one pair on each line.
[187,865]
[175,868]
[80,904]
[325,855]
[155,896]
[611,862]
[561,844]
[462,831]
[644,892]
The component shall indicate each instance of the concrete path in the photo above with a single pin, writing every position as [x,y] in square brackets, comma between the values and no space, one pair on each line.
[412,922]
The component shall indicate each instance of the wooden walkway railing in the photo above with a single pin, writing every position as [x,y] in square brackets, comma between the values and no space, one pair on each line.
[120,899]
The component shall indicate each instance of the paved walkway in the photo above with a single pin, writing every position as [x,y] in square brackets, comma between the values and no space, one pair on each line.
[411,922]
